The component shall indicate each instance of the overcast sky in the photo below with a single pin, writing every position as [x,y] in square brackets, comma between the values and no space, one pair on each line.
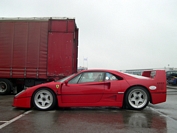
[114,34]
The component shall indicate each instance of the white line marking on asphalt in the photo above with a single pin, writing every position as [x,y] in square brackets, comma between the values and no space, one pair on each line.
[14,119]
[163,114]
[3,121]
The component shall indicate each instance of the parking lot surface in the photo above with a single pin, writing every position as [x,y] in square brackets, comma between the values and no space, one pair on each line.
[160,118]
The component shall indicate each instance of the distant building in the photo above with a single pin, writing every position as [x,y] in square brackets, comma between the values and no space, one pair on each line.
[81,68]
[139,71]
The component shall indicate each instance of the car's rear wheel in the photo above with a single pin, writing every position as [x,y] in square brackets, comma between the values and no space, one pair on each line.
[137,98]
[44,99]
[5,86]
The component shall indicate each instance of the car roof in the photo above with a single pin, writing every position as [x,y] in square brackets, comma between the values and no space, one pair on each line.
[122,74]
[104,70]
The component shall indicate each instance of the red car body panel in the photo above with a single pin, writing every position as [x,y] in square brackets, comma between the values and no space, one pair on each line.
[105,93]
[22,102]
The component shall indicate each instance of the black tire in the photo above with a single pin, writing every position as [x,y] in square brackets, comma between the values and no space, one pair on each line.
[137,98]
[5,86]
[44,99]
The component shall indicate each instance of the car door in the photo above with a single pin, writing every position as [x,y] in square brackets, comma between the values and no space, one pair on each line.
[87,87]
[112,87]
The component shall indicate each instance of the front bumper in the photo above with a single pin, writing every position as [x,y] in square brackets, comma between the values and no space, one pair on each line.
[24,102]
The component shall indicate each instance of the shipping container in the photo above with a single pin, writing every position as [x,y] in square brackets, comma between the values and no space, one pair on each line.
[36,50]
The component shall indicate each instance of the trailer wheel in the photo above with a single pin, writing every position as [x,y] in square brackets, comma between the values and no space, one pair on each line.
[137,98]
[44,99]
[5,86]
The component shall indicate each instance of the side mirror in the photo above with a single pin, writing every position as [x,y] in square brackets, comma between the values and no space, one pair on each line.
[66,82]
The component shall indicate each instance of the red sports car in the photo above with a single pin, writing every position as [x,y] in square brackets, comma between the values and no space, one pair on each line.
[97,88]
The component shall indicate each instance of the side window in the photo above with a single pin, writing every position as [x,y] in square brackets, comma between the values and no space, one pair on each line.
[91,77]
[75,79]
[110,76]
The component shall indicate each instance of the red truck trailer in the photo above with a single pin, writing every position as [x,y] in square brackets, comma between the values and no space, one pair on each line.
[36,50]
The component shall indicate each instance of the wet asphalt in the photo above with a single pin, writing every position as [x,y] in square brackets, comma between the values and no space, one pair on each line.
[160,118]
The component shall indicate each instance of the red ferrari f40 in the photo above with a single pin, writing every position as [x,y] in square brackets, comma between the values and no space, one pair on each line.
[95,88]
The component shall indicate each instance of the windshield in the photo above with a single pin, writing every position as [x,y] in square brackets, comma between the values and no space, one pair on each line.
[63,79]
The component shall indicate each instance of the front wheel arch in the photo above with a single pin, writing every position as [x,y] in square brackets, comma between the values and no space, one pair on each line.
[54,104]
[125,106]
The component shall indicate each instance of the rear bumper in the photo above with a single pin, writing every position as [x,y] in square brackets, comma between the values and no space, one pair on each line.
[158,97]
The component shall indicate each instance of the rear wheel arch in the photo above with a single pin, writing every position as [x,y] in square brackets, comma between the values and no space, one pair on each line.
[124,106]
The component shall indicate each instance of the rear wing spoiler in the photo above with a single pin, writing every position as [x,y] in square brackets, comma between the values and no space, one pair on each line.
[156,74]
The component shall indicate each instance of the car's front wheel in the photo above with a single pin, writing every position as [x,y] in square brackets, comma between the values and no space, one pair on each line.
[44,99]
[137,98]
